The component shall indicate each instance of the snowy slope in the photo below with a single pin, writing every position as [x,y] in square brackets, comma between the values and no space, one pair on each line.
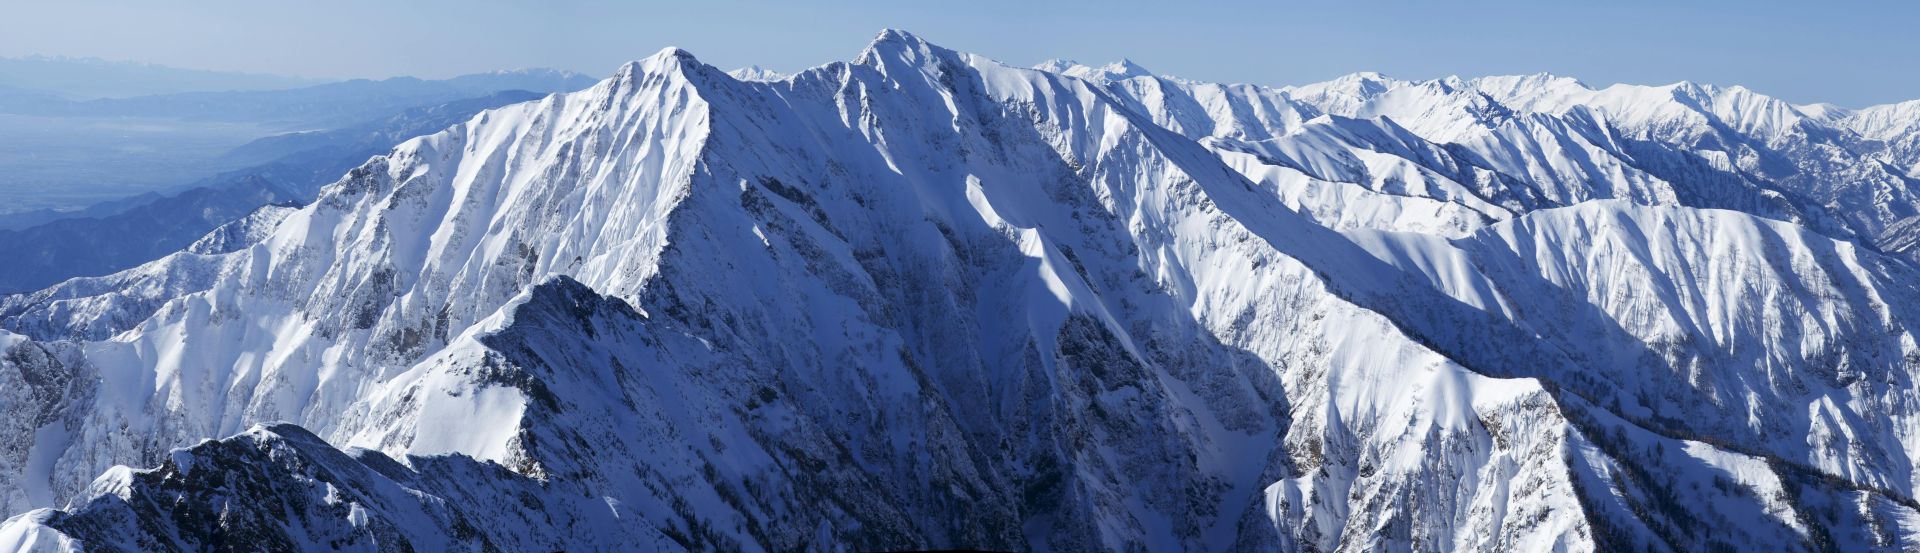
[756,73]
[926,300]
[1804,150]
[1396,146]
[1895,128]
[1823,167]
[1672,313]
[1884,122]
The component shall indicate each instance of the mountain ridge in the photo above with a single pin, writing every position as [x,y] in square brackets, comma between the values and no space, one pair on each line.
[847,306]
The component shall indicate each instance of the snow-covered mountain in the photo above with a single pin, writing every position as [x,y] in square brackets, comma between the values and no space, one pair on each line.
[281,170]
[756,73]
[926,300]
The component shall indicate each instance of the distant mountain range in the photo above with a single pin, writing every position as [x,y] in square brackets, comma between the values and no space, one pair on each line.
[58,154]
[318,106]
[360,119]
[90,78]
[282,170]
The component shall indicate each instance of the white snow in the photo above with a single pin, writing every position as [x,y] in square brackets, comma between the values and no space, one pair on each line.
[923,286]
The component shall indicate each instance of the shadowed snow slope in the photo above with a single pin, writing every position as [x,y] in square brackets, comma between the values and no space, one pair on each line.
[926,300]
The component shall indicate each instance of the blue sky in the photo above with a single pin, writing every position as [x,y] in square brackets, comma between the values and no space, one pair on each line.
[1850,53]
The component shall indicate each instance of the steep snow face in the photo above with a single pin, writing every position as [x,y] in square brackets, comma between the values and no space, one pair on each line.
[924,300]
[1788,342]
[1857,332]
[1430,144]
[1846,174]
[1527,92]
[1712,325]
[1682,110]
[385,266]
[1819,155]
[1128,273]
[1343,173]
[756,73]
[1897,128]
[1119,70]
[1355,174]
[1884,122]
[1347,94]
[922,283]
[241,233]
[1568,157]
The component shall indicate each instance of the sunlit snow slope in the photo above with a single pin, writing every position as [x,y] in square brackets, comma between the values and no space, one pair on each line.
[925,300]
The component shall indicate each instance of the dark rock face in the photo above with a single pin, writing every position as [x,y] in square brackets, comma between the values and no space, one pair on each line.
[280,488]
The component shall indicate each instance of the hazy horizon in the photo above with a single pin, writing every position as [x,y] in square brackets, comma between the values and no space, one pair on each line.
[1862,57]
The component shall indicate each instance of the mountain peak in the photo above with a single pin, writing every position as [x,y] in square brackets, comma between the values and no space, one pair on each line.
[670,54]
[1531,81]
[895,44]
[1364,82]
[671,59]
[892,34]
[1243,315]
[1363,76]
[1688,87]
[1116,71]
[1126,69]
[894,39]
[1057,65]
[756,73]
[1350,90]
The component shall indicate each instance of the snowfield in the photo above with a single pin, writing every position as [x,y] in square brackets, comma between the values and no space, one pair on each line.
[923,299]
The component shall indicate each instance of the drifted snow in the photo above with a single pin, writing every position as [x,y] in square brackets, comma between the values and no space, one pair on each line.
[927,300]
